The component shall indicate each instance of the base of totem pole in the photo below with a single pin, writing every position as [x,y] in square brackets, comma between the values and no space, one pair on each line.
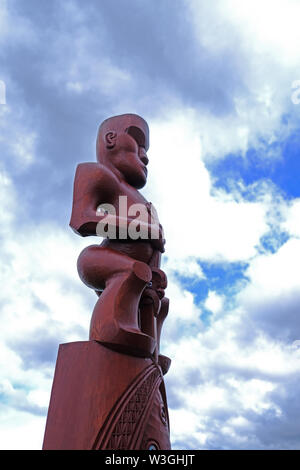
[105,400]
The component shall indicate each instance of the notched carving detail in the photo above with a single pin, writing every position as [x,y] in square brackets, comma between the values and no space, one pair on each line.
[124,433]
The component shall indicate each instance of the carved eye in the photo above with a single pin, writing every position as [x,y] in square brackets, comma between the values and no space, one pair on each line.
[137,134]
[152,446]
[102,211]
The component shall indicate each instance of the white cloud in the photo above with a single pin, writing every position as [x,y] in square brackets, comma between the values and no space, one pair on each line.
[292,218]
[78,69]
[199,222]
[270,300]
[24,148]
[272,24]
[227,386]
[18,138]
[13,27]
[187,267]
[20,430]
[214,302]
[263,38]
[275,273]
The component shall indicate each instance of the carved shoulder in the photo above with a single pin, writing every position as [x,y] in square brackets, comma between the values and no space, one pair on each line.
[93,185]
[91,178]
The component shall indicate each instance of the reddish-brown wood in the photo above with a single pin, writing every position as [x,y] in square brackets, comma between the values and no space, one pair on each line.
[100,400]
[120,369]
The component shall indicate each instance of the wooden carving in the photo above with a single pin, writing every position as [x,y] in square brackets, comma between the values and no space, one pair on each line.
[124,271]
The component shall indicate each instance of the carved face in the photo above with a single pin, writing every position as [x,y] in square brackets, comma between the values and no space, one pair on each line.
[129,156]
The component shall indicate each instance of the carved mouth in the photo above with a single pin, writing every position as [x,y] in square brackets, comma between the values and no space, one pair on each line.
[145,171]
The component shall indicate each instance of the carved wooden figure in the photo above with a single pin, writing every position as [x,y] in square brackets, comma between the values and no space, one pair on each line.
[108,392]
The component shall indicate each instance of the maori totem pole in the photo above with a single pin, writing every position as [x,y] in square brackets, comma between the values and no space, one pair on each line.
[108,393]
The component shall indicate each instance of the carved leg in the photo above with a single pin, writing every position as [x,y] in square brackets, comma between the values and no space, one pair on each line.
[115,317]
[154,307]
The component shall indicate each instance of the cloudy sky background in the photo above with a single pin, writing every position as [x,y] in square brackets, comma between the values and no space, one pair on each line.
[214,81]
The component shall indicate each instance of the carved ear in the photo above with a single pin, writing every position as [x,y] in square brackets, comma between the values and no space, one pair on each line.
[110,139]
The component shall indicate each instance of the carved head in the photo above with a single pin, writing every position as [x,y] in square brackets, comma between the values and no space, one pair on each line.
[122,143]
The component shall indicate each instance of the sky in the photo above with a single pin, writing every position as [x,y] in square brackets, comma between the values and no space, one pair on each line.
[219,85]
